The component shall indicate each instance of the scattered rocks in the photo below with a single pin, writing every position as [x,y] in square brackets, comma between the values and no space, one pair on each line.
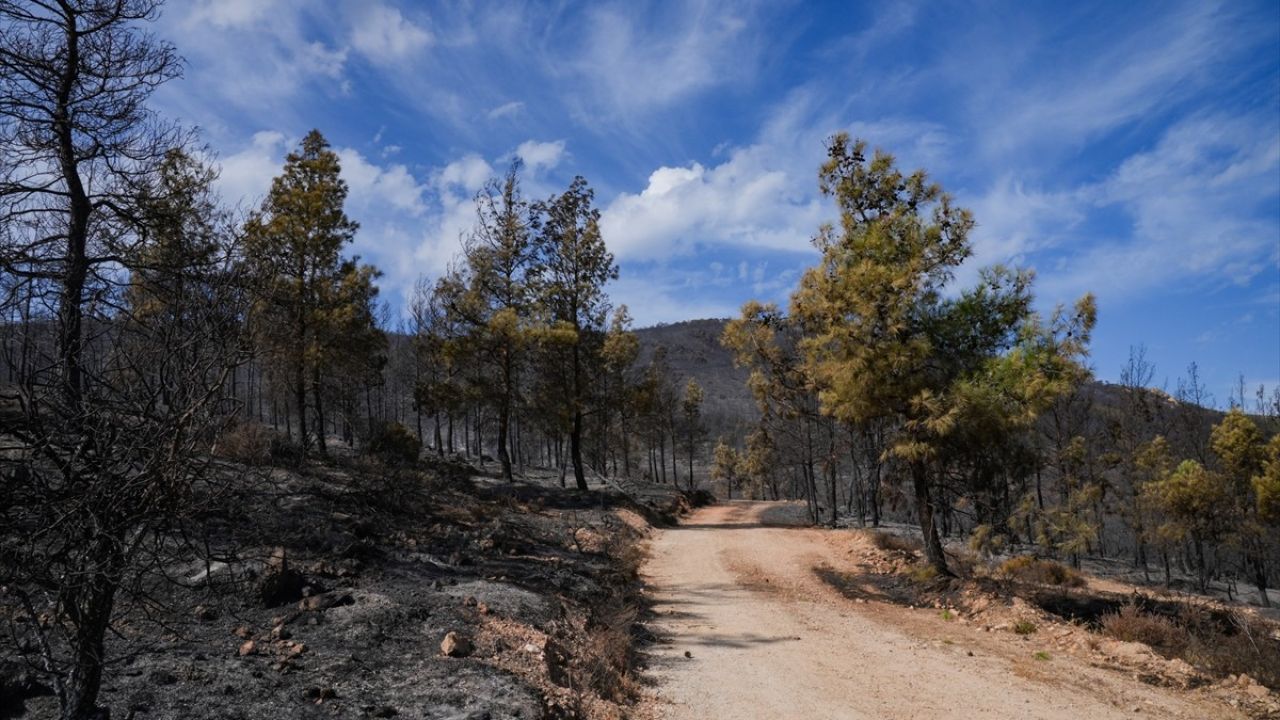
[248,647]
[456,645]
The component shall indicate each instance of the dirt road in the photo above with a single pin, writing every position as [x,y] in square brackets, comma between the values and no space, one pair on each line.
[766,638]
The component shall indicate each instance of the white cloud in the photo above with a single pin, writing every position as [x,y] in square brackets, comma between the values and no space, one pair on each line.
[1202,207]
[246,175]
[232,13]
[469,172]
[384,35]
[506,110]
[763,195]
[538,156]
[372,186]
[635,64]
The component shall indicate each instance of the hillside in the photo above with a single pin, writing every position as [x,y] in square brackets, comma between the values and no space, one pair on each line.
[694,351]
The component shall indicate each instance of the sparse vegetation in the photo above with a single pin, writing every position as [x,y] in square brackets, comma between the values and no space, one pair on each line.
[1024,627]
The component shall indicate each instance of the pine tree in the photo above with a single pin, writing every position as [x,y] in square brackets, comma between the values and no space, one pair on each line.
[310,297]
[882,341]
[691,419]
[573,267]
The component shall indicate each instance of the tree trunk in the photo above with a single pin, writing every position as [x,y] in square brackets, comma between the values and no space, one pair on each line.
[320,428]
[575,451]
[924,508]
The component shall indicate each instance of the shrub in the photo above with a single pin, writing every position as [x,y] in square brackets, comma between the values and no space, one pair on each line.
[393,443]
[1032,569]
[245,442]
[285,450]
[1024,627]
[1131,624]
[896,543]
[1041,655]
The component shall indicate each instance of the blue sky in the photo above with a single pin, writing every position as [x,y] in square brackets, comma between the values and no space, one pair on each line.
[1128,149]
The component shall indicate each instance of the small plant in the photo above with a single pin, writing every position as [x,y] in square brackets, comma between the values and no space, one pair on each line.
[947,615]
[1041,655]
[1024,627]
[923,574]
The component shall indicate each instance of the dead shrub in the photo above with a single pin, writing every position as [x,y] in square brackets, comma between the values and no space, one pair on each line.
[1131,624]
[896,543]
[1028,568]
[1249,647]
[1239,646]
[247,443]
[607,655]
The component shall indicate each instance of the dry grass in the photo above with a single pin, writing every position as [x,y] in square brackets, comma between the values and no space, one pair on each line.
[1240,646]
[1024,627]
[1131,624]
[1032,569]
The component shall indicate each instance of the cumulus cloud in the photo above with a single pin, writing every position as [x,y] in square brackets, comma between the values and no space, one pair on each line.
[539,156]
[384,35]
[761,196]
[246,175]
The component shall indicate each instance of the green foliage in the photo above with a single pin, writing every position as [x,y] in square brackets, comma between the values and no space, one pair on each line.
[962,377]
[1266,485]
[726,465]
[315,313]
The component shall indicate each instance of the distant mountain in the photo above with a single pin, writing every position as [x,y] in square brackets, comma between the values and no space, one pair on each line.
[694,351]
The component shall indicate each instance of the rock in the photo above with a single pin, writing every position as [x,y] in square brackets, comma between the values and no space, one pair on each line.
[482,608]
[248,647]
[242,631]
[162,677]
[455,645]
[204,614]
[532,649]
[688,654]
[293,649]
[470,601]
[1258,692]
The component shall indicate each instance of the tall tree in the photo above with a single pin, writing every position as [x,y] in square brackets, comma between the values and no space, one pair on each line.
[76,134]
[573,267]
[295,242]
[495,298]
[691,419]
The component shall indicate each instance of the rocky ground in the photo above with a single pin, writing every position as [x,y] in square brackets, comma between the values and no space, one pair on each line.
[356,591]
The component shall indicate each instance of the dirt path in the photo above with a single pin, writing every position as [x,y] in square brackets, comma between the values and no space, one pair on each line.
[767,639]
